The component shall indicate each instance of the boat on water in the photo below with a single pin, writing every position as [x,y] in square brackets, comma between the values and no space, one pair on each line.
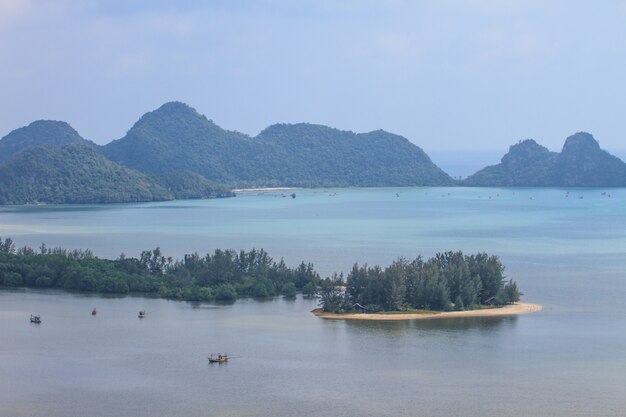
[218,358]
[94,312]
[142,314]
[35,318]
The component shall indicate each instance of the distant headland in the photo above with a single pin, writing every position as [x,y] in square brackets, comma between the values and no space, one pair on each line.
[174,152]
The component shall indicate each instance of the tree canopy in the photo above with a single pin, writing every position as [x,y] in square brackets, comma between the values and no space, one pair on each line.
[75,173]
[79,174]
[222,275]
[447,281]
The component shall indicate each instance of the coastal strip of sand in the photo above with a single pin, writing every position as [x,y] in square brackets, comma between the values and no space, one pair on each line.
[508,310]
[243,190]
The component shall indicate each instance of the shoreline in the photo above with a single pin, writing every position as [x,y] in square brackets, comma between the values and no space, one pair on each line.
[508,310]
[240,190]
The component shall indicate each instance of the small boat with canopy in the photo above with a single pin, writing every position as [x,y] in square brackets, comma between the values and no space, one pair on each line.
[219,357]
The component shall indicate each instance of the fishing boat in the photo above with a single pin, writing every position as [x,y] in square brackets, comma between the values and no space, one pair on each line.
[142,314]
[94,312]
[218,358]
[35,318]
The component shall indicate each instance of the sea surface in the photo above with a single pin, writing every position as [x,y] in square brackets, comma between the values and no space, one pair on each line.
[566,248]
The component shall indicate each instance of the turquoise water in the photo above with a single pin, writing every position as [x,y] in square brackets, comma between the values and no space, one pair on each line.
[567,252]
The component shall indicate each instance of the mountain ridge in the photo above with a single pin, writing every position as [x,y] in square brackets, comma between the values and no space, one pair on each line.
[580,163]
[180,153]
[301,154]
[49,162]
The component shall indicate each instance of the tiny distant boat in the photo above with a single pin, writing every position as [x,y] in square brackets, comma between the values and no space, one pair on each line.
[142,314]
[35,318]
[94,312]
[219,358]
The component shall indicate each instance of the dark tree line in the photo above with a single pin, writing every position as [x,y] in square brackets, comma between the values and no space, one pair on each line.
[447,281]
[223,275]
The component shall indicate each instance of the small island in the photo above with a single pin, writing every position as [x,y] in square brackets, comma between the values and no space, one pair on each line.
[424,289]
[404,290]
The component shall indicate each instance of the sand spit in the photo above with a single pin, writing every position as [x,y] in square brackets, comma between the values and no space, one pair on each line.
[508,310]
[243,190]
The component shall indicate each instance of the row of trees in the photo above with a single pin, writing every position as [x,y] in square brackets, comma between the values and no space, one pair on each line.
[447,281]
[223,275]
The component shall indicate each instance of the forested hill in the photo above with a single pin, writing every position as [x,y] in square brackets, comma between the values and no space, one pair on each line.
[40,132]
[314,153]
[186,185]
[182,154]
[176,137]
[75,173]
[581,163]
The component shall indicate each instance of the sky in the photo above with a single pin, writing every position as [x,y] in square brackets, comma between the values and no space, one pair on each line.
[448,75]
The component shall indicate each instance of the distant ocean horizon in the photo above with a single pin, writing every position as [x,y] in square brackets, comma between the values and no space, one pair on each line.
[464,163]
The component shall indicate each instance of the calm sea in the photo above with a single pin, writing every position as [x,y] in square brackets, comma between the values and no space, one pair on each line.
[566,250]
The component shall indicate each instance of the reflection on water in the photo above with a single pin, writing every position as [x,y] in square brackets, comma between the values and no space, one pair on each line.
[566,254]
[451,324]
[289,362]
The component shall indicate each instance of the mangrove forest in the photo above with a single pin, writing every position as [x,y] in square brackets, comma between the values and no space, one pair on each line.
[448,281]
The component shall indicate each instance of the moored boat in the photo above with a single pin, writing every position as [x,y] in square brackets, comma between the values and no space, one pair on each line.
[35,318]
[218,358]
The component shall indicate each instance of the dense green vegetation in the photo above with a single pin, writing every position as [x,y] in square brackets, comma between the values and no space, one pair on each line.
[186,185]
[581,163]
[75,173]
[49,162]
[445,282]
[181,154]
[175,137]
[40,132]
[224,275]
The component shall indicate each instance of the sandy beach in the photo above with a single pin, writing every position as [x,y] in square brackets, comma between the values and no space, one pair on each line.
[240,190]
[509,310]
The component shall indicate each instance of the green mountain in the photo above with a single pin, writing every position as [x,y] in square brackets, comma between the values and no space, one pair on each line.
[185,185]
[311,155]
[75,173]
[182,154]
[581,163]
[176,138]
[40,132]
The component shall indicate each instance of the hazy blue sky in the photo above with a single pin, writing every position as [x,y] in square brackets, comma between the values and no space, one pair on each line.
[446,74]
